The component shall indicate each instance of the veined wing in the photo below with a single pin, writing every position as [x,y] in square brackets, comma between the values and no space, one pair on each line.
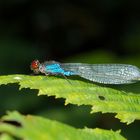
[105,73]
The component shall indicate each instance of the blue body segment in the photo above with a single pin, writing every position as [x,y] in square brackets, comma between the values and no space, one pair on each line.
[101,73]
[56,69]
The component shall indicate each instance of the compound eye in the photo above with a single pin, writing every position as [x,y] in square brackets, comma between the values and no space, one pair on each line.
[35,64]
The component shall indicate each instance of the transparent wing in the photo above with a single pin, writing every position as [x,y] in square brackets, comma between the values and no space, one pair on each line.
[105,73]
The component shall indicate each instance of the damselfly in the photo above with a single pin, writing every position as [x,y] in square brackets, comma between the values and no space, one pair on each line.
[101,73]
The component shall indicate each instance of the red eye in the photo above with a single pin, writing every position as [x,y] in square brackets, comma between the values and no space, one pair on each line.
[35,64]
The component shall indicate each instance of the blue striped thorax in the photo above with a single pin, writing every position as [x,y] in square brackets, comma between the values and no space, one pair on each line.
[56,69]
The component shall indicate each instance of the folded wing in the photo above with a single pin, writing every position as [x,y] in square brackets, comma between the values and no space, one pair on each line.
[105,73]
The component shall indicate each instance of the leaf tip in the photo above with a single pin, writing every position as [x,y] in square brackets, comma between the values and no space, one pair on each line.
[66,102]
[125,118]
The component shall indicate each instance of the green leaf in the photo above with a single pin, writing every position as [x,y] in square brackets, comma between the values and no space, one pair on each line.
[102,99]
[5,136]
[38,128]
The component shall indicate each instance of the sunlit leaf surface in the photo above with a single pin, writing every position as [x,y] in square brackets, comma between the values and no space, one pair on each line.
[103,99]
[38,128]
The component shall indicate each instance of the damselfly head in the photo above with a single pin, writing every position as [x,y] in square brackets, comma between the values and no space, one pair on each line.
[35,66]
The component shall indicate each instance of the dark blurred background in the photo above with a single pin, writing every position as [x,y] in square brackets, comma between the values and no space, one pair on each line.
[67,31]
